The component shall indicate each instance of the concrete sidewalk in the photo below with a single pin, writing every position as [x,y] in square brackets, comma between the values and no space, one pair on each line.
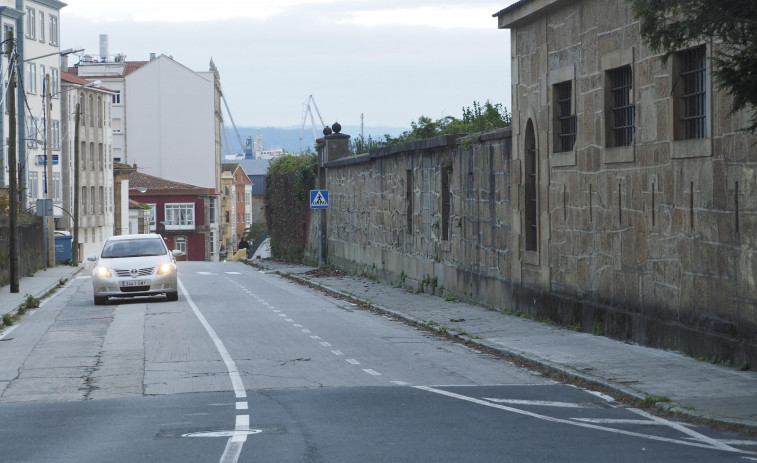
[676,382]
[37,286]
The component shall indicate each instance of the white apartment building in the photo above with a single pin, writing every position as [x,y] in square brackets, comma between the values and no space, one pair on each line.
[35,25]
[91,178]
[166,118]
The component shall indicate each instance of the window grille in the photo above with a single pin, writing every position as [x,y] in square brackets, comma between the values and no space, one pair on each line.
[566,120]
[693,67]
[622,110]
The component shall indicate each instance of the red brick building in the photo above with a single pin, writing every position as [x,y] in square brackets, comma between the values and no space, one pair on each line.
[180,212]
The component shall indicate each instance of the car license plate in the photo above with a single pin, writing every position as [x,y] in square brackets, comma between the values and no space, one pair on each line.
[128,283]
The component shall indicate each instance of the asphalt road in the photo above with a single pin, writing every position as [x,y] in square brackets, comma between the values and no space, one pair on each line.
[251,367]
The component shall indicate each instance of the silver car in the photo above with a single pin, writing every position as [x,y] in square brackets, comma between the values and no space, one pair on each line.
[134,265]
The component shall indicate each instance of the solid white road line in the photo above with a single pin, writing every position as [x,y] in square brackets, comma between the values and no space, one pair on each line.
[234,444]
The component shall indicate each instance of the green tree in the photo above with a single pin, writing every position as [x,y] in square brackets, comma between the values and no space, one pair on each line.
[480,118]
[671,25]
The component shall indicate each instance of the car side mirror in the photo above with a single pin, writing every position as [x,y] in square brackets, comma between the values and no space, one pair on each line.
[92,258]
[177,253]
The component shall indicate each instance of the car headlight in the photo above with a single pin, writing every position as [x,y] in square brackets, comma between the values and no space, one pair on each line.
[102,272]
[165,268]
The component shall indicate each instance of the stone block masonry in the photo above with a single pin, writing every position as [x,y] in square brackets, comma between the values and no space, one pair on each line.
[647,253]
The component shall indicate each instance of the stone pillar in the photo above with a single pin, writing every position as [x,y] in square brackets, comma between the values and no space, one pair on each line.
[337,145]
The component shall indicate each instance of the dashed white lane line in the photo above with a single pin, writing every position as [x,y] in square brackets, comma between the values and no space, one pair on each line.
[307,331]
[337,352]
[297,325]
[371,372]
[314,337]
[352,361]
[325,344]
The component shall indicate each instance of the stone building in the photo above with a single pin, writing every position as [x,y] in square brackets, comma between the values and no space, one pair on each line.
[622,201]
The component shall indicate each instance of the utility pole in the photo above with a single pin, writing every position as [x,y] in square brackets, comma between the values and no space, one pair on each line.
[13,186]
[49,169]
[75,251]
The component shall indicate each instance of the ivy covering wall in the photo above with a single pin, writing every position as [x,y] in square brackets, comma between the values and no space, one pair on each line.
[287,197]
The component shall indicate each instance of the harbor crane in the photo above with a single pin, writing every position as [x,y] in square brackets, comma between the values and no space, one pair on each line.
[307,111]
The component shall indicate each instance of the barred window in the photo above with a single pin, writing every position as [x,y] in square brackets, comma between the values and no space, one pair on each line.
[566,129]
[621,117]
[693,114]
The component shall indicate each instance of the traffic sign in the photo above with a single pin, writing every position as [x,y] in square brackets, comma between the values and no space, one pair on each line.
[319,199]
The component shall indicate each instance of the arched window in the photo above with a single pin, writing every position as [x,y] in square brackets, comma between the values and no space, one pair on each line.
[531,187]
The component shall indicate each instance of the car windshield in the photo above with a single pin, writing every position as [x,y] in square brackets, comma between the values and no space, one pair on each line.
[134,248]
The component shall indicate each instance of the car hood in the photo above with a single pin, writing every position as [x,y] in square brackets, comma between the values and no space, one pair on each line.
[133,262]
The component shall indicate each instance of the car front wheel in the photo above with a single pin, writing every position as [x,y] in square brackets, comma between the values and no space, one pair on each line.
[173,296]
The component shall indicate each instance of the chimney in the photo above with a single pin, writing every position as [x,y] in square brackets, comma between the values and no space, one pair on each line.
[104,47]
[152,56]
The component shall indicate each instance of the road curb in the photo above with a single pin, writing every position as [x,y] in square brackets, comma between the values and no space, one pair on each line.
[624,393]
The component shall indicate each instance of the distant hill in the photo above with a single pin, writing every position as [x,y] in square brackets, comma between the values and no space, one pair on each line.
[288,138]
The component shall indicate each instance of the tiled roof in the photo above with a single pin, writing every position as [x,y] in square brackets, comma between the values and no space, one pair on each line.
[76,80]
[157,185]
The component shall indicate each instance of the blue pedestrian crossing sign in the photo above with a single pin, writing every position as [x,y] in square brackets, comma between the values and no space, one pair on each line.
[319,199]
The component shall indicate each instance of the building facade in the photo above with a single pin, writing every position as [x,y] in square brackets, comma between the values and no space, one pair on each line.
[182,214]
[88,177]
[35,25]
[166,118]
[236,214]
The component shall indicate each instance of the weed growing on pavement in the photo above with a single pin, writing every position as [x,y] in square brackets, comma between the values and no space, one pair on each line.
[653,400]
[31,302]
[7,319]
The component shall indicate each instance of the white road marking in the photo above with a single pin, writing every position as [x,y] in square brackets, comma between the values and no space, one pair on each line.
[618,421]
[353,361]
[242,405]
[282,315]
[232,273]
[297,325]
[288,320]
[204,273]
[8,331]
[705,442]
[701,437]
[234,444]
[312,337]
[401,383]
[540,403]
[325,344]
[371,372]
[337,352]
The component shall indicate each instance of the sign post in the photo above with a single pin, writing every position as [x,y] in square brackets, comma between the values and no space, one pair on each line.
[319,199]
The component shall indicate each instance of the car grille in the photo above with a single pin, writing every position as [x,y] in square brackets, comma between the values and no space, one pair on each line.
[141,272]
[134,289]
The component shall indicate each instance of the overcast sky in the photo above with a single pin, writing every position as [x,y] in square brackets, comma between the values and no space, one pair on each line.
[390,60]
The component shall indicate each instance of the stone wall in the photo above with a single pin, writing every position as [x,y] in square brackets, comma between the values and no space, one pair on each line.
[605,265]
[31,252]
